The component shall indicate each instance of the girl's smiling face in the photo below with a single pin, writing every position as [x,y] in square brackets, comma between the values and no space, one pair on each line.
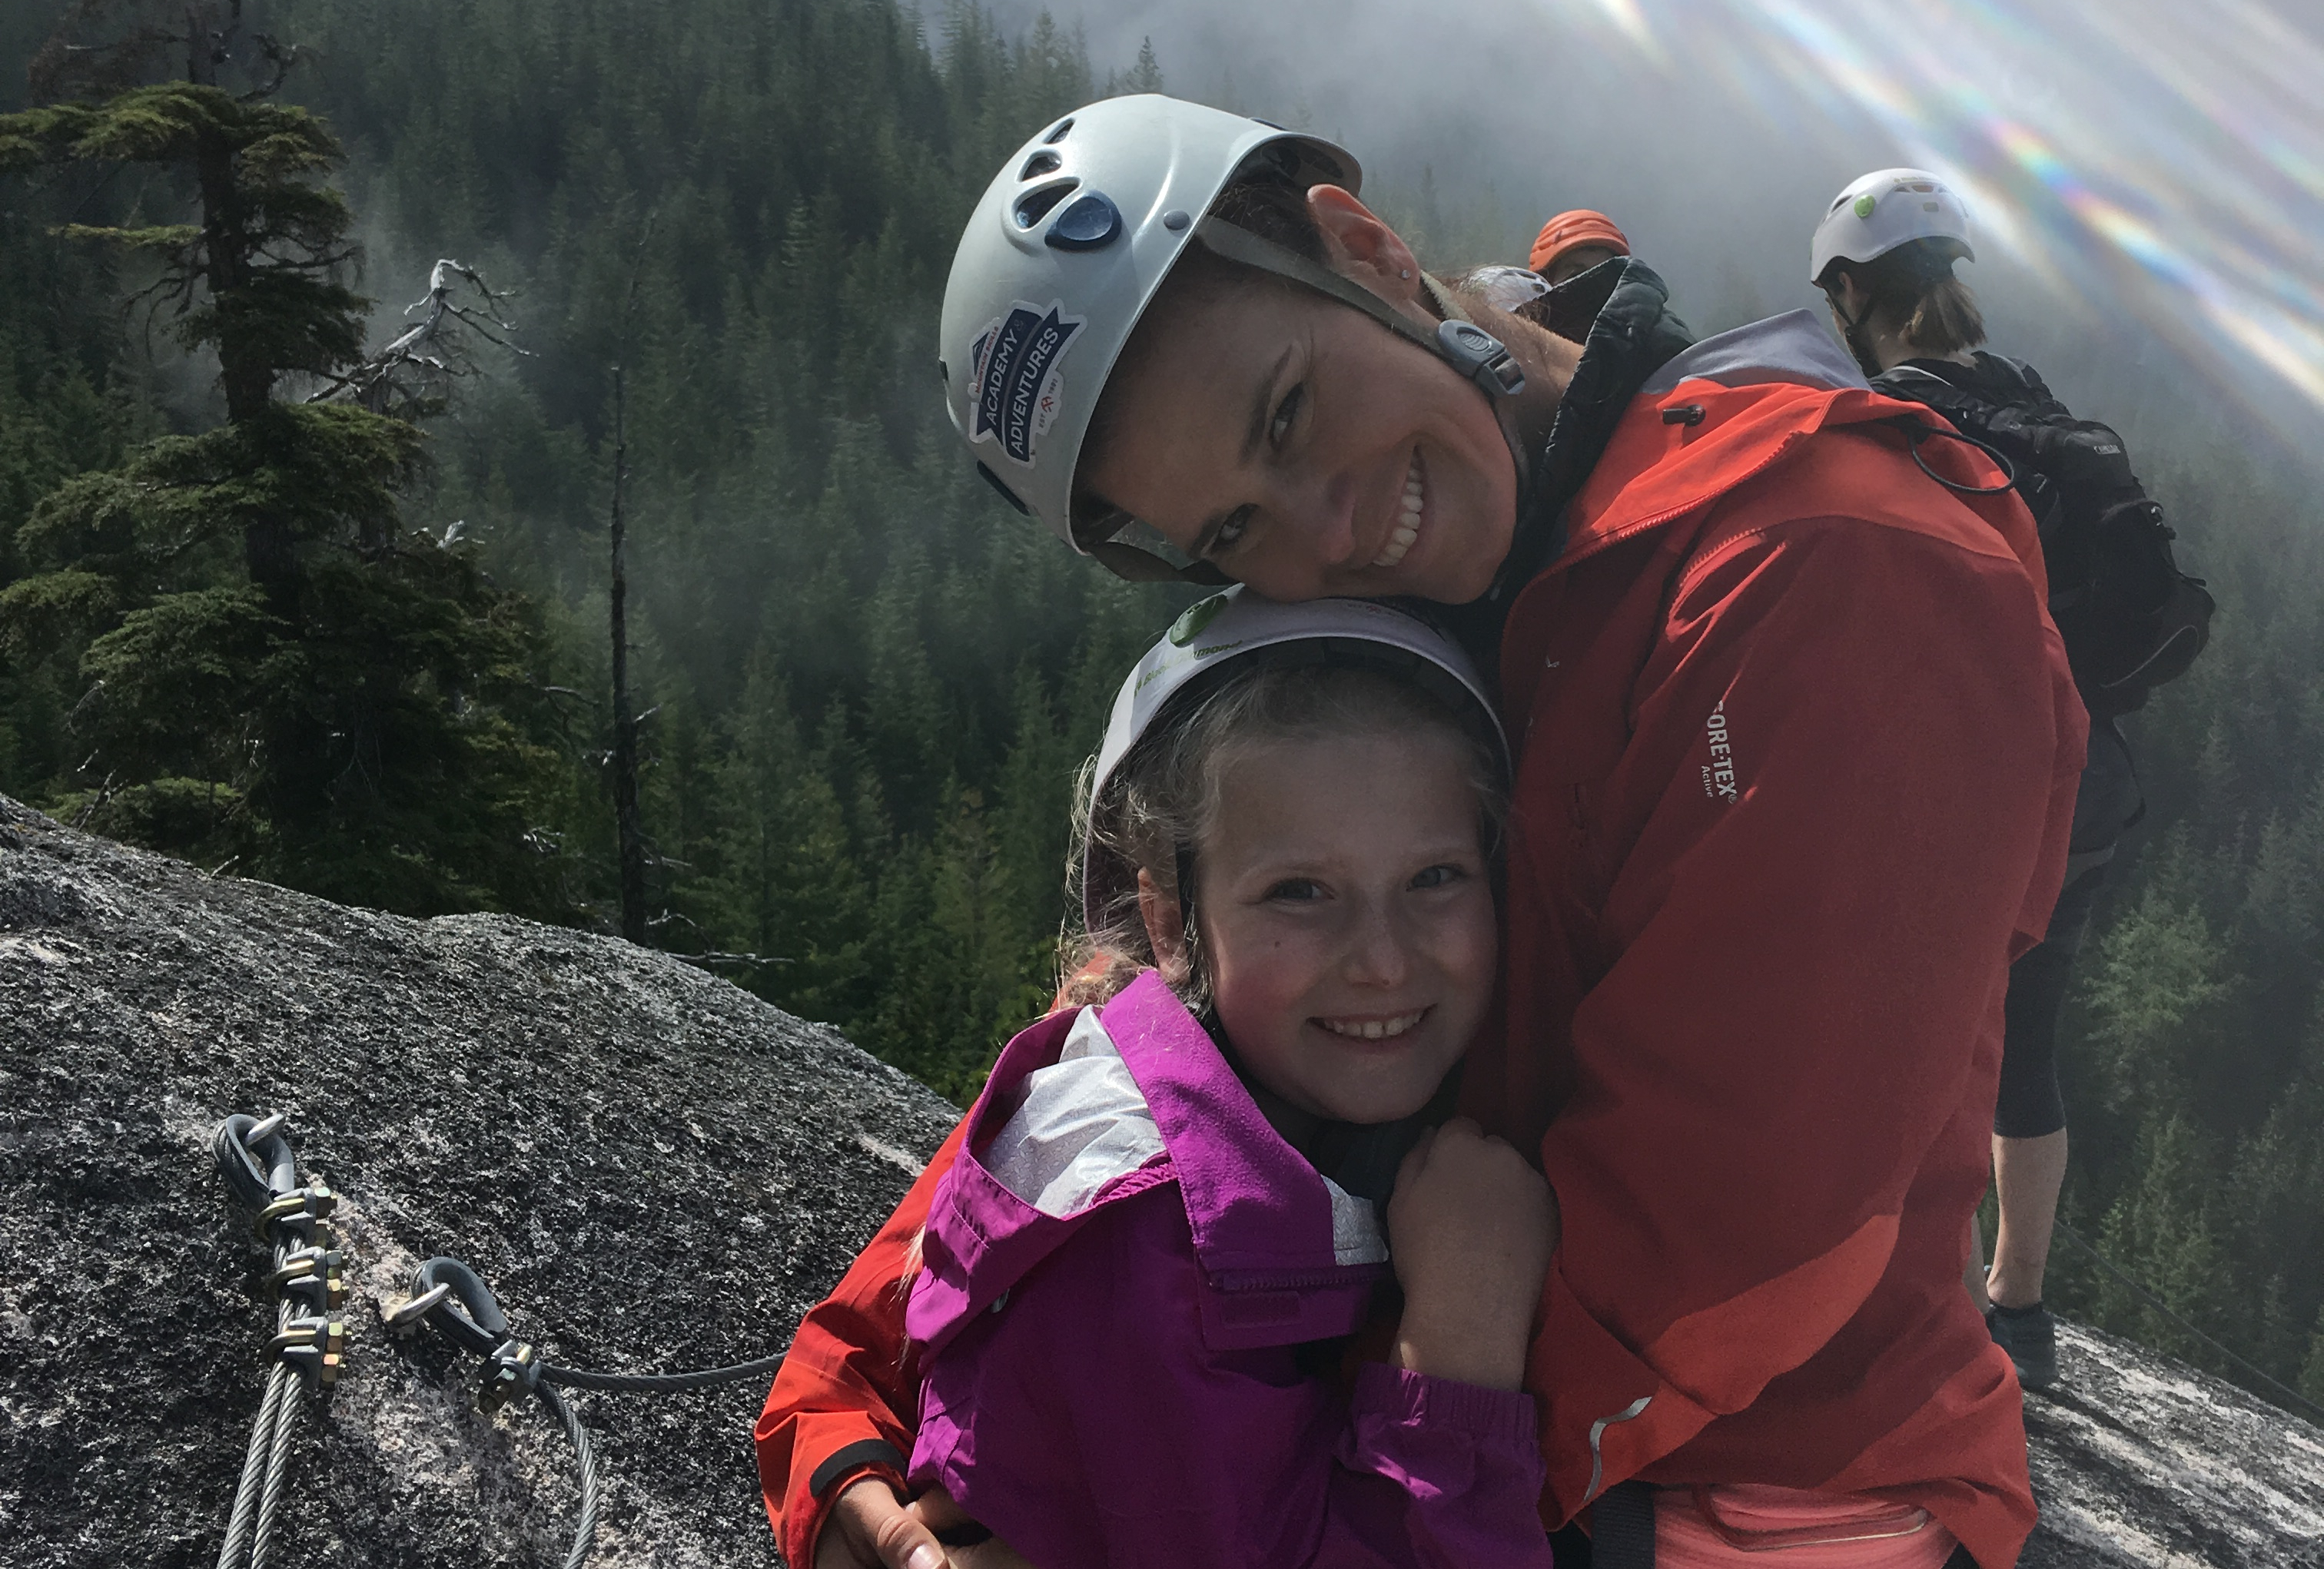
[1346,917]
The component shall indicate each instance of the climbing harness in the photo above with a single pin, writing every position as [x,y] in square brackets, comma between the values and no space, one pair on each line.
[309,1337]
[446,1296]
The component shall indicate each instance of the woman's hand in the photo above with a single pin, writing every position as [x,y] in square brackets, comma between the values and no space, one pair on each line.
[1471,1227]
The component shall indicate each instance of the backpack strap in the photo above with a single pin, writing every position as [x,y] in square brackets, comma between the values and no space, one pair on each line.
[1915,385]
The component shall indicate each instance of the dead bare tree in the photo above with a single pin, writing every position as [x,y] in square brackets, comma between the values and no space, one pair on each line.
[633,846]
[629,831]
[411,377]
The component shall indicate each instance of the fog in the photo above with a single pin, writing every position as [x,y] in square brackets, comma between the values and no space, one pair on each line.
[2146,176]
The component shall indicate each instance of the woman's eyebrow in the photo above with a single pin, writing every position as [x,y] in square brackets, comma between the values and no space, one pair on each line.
[1261,407]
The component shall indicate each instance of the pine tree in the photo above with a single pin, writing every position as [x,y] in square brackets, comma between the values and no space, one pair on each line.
[1146,76]
[277,673]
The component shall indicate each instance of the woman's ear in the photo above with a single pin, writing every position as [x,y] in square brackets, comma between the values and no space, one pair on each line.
[1846,299]
[1362,248]
[1165,927]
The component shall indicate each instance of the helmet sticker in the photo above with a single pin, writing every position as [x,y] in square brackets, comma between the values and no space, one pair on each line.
[1017,377]
[1190,624]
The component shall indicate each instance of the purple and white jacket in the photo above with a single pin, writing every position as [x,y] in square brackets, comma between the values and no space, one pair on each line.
[1118,1274]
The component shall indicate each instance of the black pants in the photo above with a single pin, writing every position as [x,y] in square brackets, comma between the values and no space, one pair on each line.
[2108,802]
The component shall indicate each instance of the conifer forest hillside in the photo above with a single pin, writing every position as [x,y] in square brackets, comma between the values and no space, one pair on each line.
[276,600]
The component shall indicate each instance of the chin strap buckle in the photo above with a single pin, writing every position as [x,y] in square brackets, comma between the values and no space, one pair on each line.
[1482,357]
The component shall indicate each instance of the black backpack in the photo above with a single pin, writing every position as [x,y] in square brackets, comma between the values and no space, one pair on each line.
[2131,620]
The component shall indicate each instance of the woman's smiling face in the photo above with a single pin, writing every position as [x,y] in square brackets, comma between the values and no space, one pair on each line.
[1347,919]
[1302,446]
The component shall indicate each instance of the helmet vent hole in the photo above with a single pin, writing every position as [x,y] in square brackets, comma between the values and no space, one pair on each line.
[1042,162]
[1057,135]
[1036,205]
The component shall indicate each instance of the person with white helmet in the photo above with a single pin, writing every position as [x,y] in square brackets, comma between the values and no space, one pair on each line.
[1884,257]
[1796,752]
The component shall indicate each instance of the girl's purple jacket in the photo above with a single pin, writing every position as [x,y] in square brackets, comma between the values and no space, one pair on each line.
[1119,1275]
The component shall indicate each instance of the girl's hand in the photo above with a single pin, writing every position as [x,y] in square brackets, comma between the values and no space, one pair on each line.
[870,1528]
[1470,1227]
[867,1528]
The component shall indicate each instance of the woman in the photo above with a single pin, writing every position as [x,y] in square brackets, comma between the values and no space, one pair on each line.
[1797,751]
[1884,257]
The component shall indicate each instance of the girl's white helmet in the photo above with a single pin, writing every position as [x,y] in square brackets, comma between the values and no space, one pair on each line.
[1883,210]
[1215,633]
[1060,258]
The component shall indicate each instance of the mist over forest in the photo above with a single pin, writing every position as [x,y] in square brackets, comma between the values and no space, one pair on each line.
[867,685]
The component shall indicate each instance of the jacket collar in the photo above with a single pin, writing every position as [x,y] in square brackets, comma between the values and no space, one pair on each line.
[1723,412]
[1632,333]
[1793,347]
[1264,1223]
[1252,1203]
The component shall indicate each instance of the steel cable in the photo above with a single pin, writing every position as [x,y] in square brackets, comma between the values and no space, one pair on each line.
[253,1466]
[659,1383]
[278,1468]
[256,1160]
[585,1528]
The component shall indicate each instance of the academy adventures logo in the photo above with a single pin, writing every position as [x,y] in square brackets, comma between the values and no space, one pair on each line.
[1017,376]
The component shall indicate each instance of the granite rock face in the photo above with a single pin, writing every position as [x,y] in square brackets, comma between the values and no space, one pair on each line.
[2141,1460]
[653,1169]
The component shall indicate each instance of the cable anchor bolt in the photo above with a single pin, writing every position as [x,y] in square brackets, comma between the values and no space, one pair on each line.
[513,1369]
[297,1210]
[316,1347]
[313,1276]
[404,1321]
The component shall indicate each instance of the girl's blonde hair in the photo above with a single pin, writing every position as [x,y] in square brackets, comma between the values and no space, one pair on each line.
[1162,801]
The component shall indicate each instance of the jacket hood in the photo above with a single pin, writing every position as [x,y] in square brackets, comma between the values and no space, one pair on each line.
[1084,1110]
[1734,406]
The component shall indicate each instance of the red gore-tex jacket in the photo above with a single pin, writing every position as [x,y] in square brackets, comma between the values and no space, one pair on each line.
[1798,753]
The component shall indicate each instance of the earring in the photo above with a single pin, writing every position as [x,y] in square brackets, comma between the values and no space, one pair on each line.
[1406,273]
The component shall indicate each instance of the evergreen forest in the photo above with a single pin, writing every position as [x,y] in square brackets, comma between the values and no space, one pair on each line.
[297,584]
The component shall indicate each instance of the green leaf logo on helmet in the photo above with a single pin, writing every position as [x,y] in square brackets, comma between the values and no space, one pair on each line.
[1195,617]
[1883,209]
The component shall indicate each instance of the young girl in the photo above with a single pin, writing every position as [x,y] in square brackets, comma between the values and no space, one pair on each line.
[1137,1276]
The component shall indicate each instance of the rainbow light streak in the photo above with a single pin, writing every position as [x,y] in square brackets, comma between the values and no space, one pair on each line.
[2165,159]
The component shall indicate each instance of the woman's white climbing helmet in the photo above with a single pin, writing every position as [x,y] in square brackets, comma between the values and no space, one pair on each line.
[1061,257]
[1064,251]
[1217,633]
[1883,210]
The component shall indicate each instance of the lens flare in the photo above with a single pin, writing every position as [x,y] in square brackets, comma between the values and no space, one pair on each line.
[2165,159]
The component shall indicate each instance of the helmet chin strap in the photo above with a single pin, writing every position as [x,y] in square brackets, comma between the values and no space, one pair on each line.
[1852,332]
[1480,356]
